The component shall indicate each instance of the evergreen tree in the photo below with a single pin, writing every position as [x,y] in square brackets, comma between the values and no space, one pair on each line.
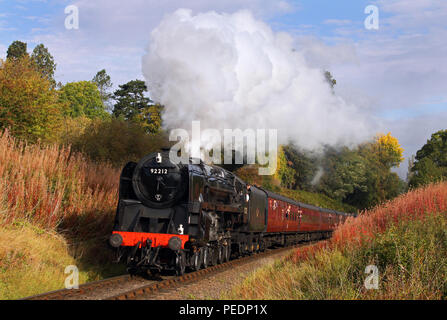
[104,83]
[130,100]
[44,62]
[16,50]
[133,105]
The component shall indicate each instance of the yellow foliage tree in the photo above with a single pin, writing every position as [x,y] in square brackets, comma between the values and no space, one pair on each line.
[388,149]
[284,172]
[28,104]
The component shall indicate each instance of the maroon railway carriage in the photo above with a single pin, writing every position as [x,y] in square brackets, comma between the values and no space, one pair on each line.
[293,221]
[286,215]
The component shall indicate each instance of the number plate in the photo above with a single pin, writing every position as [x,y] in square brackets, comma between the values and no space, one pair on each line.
[158,171]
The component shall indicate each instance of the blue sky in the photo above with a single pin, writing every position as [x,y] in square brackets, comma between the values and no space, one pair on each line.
[396,74]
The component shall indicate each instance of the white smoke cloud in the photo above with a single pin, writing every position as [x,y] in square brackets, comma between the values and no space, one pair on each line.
[233,71]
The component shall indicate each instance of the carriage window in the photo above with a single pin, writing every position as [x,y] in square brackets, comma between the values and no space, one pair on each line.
[288,208]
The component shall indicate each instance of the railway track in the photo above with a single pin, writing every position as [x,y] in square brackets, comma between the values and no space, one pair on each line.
[127,287]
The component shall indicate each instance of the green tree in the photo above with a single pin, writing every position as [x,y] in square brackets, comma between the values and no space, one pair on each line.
[44,62]
[380,155]
[362,177]
[83,99]
[426,171]
[16,50]
[104,83]
[303,164]
[344,173]
[130,100]
[28,104]
[431,161]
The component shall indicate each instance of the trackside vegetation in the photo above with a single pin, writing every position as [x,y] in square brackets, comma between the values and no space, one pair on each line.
[406,239]
[56,209]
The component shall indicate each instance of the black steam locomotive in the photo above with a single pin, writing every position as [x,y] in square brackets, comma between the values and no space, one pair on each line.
[177,216]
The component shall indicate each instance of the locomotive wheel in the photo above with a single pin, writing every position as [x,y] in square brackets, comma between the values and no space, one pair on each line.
[196,260]
[213,256]
[205,257]
[180,264]
[227,253]
[262,246]
[220,254]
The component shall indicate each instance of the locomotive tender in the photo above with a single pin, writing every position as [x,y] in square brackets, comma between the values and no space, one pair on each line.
[177,216]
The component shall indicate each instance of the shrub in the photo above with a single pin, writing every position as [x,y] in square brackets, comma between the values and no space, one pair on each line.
[117,141]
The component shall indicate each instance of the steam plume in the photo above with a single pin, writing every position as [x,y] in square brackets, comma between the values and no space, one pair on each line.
[233,71]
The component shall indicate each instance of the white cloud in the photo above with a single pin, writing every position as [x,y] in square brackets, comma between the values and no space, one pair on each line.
[113,34]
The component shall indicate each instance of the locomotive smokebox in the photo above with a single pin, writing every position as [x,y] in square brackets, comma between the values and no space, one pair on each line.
[157,182]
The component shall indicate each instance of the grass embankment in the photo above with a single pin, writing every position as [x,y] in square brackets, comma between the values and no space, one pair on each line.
[405,238]
[56,209]
[317,199]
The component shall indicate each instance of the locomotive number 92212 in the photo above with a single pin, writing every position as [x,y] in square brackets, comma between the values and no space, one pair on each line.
[158,171]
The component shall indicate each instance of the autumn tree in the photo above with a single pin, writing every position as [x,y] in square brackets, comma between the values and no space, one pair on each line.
[83,99]
[150,118]
[28,105]
[388,150]
[284,171]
